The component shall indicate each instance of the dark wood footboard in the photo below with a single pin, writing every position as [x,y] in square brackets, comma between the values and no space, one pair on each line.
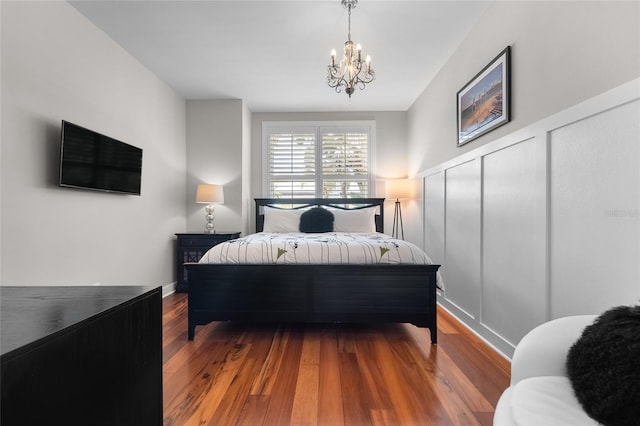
[312,293]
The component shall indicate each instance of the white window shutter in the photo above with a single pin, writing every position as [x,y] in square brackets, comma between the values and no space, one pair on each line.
[318,161]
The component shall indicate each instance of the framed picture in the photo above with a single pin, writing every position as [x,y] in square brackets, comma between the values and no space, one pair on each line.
[484,102]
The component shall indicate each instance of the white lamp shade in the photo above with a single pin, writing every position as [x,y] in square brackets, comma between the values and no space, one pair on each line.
[208,193]
[399,188]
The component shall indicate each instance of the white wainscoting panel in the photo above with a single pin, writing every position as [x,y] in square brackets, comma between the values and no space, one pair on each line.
[513,290]
[595,224]
[462,238]
[541,223]
[434,218]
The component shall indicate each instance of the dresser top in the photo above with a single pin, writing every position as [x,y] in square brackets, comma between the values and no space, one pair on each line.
[28,314]
[215,234]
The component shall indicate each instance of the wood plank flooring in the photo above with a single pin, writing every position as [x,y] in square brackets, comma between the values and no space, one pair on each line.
[326,374]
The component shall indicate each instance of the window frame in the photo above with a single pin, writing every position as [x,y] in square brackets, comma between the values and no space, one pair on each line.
[318,128]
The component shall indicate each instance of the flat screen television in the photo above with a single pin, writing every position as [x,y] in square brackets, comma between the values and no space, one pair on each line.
[90,160]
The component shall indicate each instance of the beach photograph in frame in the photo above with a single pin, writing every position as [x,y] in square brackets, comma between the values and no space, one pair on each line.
[484,102]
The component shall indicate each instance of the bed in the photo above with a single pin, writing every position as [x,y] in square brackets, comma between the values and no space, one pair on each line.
[281,291]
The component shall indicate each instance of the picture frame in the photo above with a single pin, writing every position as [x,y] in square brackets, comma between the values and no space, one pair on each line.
[484,103]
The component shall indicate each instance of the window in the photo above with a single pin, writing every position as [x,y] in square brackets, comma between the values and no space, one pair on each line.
[323,160]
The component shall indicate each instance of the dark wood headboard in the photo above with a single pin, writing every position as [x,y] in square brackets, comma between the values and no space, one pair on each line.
[338,203]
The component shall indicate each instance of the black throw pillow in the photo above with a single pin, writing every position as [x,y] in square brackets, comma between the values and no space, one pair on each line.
[316,219]
[603,366]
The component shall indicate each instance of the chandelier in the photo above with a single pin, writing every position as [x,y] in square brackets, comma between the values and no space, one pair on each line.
[352,71]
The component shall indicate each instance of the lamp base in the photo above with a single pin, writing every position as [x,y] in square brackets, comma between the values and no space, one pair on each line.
[209,217]
[397,222]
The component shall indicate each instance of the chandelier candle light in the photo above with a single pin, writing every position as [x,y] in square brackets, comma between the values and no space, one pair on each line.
[209,194]
[352,71]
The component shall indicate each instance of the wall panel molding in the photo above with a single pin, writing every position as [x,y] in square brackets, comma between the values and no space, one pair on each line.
[463,237]
[503,220]
[594,223]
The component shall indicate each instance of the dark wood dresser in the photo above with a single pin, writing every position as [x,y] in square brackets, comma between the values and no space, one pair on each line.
[81,355]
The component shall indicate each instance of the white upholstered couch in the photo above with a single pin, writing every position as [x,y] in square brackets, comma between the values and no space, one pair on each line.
[540,392]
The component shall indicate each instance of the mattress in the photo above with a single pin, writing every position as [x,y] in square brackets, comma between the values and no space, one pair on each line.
[322,248]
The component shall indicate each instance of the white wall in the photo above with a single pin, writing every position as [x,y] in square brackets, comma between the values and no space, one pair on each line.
[215,139]
[224,146]
[247,172]
[538,218]
[563,52]
[541,223]
[57,65]
[390,158]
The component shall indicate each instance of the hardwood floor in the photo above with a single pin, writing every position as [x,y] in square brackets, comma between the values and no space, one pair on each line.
[326,374]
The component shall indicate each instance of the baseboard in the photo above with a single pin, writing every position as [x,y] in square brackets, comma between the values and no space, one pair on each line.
[480,336]
[168,289]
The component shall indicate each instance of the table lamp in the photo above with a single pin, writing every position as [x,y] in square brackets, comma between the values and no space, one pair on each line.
[209,194]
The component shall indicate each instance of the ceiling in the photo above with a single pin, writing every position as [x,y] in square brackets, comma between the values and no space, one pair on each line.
[274,54]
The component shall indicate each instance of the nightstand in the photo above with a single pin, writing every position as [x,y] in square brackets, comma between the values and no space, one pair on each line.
[191,247]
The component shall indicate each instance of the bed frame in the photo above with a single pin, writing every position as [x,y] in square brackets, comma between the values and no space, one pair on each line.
[313,293]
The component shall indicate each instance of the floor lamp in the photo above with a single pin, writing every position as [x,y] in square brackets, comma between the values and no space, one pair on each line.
[398,189]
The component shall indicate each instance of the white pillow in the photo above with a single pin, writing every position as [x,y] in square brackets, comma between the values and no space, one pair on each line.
[547,400]
[356,221]
[279,220]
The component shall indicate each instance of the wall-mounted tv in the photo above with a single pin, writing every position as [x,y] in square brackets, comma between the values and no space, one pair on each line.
[90,160]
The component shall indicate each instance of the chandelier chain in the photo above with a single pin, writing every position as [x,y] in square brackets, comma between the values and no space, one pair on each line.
[349,12]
